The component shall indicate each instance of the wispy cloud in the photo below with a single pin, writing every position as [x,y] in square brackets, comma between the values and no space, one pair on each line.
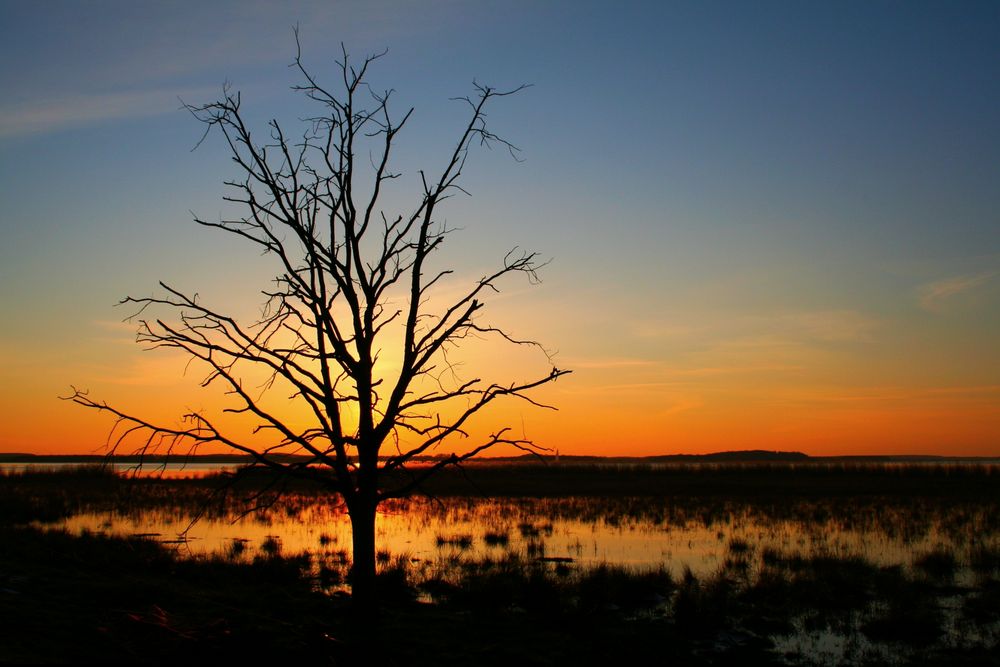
[643,388]
[766,330]
[607,362]
[117,332]
[934,295]
[655,329]
[682,405]
[829,325]
[899,394]
[53,114]
[165,369]
[736,370]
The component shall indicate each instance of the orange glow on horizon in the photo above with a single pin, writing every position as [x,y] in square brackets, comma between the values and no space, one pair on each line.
[791,242]
[619,425]
[772,395]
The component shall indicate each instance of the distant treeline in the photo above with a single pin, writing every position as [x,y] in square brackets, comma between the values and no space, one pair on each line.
[235,459]
[737,456]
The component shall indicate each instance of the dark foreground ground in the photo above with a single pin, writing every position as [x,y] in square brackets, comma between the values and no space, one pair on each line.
[66,599]
[100,600]
[95,599]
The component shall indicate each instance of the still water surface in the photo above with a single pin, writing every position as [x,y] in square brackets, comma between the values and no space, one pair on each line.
[581,531]
[698,534]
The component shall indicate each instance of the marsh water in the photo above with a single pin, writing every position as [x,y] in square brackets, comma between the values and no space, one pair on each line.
[936,532]
[635,532]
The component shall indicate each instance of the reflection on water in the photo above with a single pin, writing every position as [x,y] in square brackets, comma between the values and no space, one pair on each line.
[837,574]
[802,545]
[579,530]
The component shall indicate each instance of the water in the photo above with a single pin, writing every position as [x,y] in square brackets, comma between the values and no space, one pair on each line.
[712,537]
[584,531]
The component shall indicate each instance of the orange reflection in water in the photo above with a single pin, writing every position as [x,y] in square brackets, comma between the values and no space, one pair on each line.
[581,531]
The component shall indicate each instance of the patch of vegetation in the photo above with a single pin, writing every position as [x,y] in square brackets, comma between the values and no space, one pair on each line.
[96,598]
[939,564]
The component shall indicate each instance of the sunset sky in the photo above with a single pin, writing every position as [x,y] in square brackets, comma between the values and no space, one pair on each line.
[772,225]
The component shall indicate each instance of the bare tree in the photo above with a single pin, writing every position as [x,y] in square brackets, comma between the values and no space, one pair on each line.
[352,282]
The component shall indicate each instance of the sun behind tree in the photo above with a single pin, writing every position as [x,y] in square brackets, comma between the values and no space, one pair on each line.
[352,283]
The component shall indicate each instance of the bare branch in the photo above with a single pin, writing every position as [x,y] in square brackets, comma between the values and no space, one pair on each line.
[352,284]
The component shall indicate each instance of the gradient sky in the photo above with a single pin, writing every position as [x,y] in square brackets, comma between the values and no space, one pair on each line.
[773,225]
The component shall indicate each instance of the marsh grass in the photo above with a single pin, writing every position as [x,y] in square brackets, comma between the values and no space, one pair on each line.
[495,538]
[236,548]
[985,560]
[779,575]
[101,599]
[271,546]
[462,542]
[939,564]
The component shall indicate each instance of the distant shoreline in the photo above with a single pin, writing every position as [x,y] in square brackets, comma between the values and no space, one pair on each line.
[747,456]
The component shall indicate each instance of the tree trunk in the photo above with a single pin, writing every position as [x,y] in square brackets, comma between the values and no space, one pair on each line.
[363,567]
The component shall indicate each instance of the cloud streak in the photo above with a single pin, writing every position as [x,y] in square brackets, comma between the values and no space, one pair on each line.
[609,363]
[43,116]
[934,295]
[970,394]
[830,325]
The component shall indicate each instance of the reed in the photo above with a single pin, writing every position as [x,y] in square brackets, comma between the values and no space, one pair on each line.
[779,577]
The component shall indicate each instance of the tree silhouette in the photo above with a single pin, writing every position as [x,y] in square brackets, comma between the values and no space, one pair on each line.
[353,282]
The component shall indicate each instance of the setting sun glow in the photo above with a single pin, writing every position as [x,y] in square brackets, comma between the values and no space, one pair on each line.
[770,227]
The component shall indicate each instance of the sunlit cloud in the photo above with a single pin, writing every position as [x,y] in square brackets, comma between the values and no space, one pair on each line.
[166,368]
[53,114]
[767,330]
[622,388]
[830,325]
[883,394]
[118,332]
[682,405]
[652,329]
[933,296]
[736,370]
[608,363]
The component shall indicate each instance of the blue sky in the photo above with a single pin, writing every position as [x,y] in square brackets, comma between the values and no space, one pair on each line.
[754,210]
